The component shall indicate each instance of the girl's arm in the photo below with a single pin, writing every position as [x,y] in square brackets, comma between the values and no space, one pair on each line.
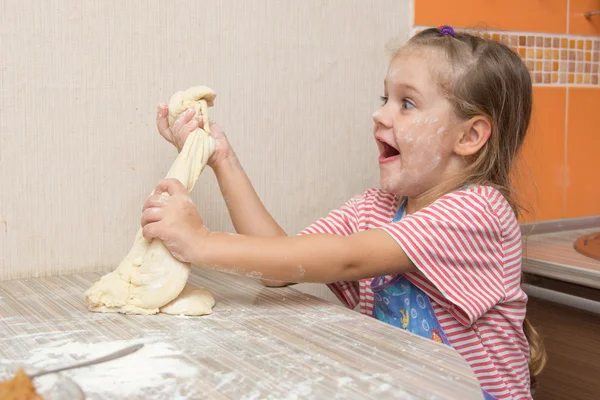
[311,258]
[248,214]
[319,258]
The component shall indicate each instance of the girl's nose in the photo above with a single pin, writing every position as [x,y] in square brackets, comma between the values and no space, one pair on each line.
[380,118]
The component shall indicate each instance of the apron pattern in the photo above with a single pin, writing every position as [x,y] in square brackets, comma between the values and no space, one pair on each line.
[400,303]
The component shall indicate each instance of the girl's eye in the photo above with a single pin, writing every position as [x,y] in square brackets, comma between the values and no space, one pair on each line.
[384,99]
[407,104]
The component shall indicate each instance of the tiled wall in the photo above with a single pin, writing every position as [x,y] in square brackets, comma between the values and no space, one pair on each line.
[561,174]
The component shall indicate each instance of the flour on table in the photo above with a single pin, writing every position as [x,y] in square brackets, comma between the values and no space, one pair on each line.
[157,370]
[149,277]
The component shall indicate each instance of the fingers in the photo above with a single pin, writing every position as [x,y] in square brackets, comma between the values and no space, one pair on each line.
[162,122]
[150,231]
[171,186]
[182,135]
[183,119]
[156,201]
[216,132]
[151,215]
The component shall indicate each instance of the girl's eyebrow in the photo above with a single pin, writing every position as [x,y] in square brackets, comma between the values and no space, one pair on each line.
[405,86]
[408,87]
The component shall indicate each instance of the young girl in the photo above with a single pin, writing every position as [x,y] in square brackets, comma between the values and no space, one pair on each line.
[437,249]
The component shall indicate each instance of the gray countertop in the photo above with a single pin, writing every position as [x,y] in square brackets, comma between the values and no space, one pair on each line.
[551,253]
[258,343]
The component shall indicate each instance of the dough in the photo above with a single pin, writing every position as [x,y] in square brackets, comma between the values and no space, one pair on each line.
[191,301]
[149,277]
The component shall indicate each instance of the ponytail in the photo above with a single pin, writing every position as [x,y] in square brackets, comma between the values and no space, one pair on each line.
[537,352]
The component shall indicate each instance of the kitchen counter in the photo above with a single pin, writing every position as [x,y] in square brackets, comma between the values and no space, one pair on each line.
[259,343]
[548,250]
[564,304]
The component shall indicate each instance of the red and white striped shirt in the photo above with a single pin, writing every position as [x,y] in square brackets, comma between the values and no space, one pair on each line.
[467,249]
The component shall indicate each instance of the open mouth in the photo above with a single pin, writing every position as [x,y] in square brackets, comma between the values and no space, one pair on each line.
[387,151]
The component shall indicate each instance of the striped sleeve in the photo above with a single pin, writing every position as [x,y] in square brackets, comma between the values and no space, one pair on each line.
[344,222]
[456,244]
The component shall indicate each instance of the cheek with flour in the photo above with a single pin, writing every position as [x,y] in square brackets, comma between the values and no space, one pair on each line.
[420,145]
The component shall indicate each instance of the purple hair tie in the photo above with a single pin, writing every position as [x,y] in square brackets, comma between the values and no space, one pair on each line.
[446,30]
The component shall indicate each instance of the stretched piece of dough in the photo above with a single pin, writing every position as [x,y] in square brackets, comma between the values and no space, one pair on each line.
[149,277]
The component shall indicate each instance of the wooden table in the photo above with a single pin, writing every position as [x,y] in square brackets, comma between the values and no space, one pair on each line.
[564,305]
[259,343]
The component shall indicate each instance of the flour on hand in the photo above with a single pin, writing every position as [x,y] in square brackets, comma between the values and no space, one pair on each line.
[149,279]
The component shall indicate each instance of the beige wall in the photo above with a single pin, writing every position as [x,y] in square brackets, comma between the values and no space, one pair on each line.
[296,85]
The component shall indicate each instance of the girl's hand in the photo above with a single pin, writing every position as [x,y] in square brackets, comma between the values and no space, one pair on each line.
[170,215]
[186,123]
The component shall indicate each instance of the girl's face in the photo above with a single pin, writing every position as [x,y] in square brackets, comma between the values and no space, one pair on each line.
[415,129]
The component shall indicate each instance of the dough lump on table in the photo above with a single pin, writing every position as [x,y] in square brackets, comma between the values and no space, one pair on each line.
[191,301]
[149,279]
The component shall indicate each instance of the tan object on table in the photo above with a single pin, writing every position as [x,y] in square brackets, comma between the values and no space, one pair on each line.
[589,245]
[19,388]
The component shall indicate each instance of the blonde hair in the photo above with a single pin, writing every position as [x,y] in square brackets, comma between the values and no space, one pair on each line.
[486,78]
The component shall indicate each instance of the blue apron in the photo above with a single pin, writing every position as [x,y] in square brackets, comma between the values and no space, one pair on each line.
[400,303]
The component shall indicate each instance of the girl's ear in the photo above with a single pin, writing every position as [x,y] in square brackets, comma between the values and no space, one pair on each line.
[476,133]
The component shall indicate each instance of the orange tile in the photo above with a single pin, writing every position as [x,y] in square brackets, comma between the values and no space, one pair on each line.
[562,78]
[538,78]
[583,142]
[530,65]
[564,54]
[539,41]
[563,66]
[578,24]
[550,15]
[556,43]
[543,153]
